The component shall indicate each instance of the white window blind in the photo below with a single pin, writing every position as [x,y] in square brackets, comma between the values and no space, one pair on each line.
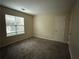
[14,25]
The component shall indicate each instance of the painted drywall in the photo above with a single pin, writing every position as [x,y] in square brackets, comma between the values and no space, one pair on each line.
[28,22]
[0,26]
[50,26]
[74,38]
[39,6]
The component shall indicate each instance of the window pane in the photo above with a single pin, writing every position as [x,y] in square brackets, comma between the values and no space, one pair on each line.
[19,21]
[11,34]
[20,28]
[10,20]
[20,32]
[10,29]
[14,25]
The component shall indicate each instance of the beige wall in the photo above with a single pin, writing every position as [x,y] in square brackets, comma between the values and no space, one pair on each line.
[28,20]
[74,38]
[50,26]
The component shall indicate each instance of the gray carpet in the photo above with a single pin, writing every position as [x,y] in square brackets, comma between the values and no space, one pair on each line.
[35,48]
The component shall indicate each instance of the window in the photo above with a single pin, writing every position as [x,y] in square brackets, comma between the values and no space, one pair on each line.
[14,25]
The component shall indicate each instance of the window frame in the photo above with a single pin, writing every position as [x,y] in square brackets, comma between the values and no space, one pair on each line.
[16,32]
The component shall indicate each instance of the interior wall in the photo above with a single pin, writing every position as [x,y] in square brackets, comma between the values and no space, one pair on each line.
[74,38]
[50,26]
[28,22]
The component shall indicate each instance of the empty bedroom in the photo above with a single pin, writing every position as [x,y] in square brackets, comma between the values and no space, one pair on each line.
[39,29]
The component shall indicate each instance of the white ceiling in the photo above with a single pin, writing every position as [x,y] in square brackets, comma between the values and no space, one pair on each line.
[39,6]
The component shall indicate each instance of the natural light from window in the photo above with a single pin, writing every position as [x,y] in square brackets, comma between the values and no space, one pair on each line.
[14,25]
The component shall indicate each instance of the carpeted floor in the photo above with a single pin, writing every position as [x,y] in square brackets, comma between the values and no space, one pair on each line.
[35,48]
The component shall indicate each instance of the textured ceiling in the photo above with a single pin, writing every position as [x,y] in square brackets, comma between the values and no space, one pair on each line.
[38,6]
